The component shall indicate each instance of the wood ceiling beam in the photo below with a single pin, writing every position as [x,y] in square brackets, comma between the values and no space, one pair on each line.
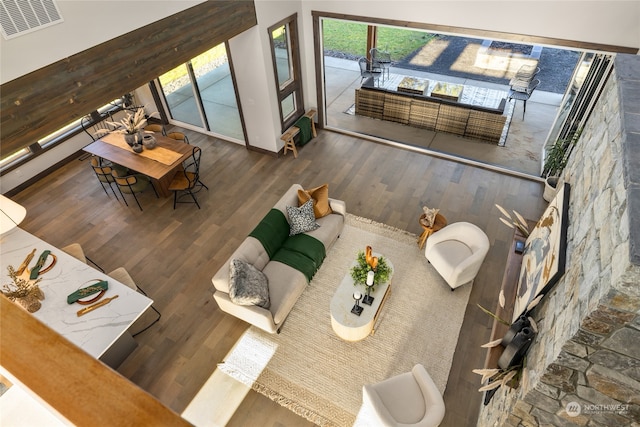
[43,101]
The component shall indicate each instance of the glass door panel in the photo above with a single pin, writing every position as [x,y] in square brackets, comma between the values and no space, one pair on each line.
[281,44]
[179,94]
[213,76]
[285,54]
[202,93]
[288,106]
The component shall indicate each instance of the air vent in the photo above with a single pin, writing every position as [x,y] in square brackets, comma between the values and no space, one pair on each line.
[18,17]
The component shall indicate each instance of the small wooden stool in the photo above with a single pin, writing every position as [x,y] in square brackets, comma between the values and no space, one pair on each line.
[439,223]
[289,143]
[287,137]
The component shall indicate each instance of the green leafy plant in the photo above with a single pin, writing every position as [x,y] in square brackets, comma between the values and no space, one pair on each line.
[557,156]
[382,273]
[351,38]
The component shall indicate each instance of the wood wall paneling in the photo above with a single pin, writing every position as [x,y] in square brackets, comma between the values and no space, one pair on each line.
[41,102]
[79,387]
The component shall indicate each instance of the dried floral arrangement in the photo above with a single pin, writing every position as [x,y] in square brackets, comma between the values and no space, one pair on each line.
[131,124]
[518,222]
[493,378]
[26,293]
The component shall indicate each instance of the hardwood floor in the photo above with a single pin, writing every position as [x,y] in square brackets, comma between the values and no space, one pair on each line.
[172,254]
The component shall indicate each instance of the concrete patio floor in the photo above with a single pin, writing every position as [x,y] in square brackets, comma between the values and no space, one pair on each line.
[521,153]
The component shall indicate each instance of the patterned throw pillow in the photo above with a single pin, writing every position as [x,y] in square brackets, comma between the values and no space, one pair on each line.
[302,219]
[429,216]
[320,196]
[248,285]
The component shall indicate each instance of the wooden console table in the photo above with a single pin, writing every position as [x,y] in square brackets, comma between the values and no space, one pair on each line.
[510,289]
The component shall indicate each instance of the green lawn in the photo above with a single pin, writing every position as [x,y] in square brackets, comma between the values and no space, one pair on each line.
[340,36]
[200,61]
[351,38]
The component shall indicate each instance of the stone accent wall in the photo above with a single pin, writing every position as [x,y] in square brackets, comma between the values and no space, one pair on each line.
[584,367]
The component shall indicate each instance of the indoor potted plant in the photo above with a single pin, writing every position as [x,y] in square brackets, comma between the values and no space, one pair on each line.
[555,161]
[366,262]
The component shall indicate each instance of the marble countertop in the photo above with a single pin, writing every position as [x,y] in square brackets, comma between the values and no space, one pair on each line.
[95,331]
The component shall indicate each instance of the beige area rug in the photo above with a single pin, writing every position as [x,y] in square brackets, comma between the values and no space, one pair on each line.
[311,371]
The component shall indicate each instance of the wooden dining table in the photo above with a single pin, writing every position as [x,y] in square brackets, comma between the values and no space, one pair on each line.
[161,172]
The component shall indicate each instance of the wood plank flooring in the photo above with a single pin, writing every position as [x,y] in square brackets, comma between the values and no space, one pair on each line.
[172,254]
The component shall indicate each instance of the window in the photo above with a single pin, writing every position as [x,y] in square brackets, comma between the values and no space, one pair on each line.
[286,67]
[57,137]
[202,93]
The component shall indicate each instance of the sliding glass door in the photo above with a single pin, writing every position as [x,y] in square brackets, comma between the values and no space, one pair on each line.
[201,95]
[586,85]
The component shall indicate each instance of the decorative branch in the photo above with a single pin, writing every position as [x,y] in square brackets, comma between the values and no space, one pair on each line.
[21,287]
[498,318]
[519,222]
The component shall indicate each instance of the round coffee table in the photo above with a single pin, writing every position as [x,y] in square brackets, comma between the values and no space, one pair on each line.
[439,223]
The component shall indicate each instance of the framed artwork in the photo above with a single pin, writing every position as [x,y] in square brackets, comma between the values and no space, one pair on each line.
[544,255]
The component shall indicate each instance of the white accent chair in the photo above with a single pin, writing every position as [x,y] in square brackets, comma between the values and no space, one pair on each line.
[409,399]
[457,252]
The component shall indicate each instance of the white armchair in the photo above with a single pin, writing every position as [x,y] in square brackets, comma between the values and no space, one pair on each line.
[457,252]
[409,399]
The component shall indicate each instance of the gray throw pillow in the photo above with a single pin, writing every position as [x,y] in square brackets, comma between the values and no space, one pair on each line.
[248,285]
[302,219]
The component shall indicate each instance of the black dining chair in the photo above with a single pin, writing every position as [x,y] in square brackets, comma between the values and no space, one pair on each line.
[187,180]
[122,275]
[156,128]
[132,184]
[178,136]
[103,171]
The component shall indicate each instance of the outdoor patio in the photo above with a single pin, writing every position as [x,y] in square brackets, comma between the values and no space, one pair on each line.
[524,142]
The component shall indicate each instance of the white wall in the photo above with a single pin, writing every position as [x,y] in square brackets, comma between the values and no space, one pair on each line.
[86,24]
[41,163]
[254,88]
[252,63]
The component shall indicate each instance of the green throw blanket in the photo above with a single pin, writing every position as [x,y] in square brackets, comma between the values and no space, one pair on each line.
[272,231]
[304,124]
[302,252]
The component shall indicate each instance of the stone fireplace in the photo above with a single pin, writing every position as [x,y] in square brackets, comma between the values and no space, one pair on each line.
[584,367]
